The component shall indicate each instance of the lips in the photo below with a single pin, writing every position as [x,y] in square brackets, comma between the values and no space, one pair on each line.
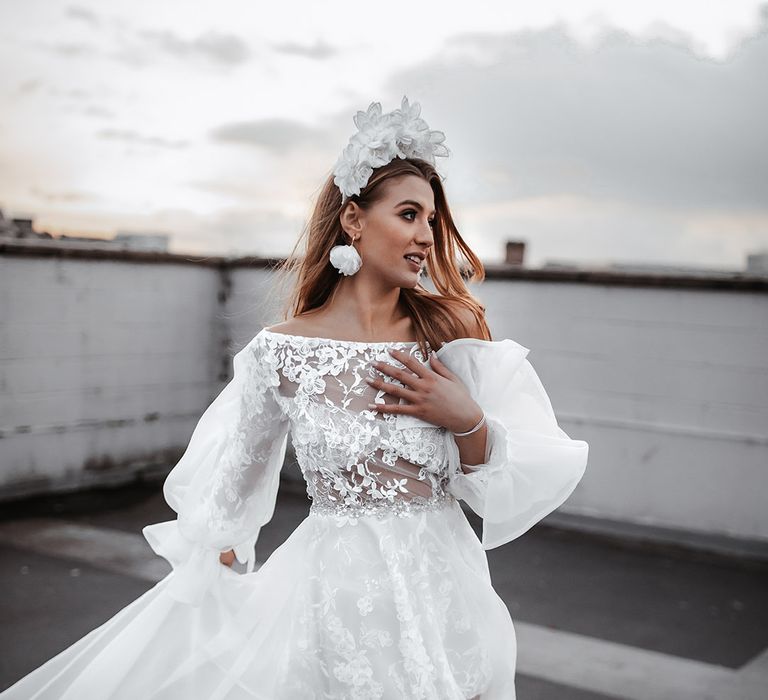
[413,264]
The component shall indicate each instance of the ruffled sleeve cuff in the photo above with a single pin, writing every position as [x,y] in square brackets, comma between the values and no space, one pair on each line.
[246,551]
[196,567]
[526,475]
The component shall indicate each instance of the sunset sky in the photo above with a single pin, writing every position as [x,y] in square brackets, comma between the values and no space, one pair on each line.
[594,131]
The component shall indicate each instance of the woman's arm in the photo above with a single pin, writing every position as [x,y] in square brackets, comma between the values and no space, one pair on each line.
[472,448]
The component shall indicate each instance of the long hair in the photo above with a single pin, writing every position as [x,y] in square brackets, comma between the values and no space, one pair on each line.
[436,317]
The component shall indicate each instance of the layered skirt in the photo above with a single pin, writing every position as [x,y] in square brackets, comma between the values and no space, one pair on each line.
[394,608]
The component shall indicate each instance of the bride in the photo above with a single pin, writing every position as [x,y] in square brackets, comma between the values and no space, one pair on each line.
[399,405]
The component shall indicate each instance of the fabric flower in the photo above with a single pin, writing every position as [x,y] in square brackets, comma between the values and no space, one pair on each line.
[381,138]
[345,258]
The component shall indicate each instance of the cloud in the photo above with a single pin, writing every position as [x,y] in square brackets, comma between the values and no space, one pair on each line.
[212,46]
[237,189]
[134,137]
[642,121]
[320,50]
[70,93]
[73,49]
[99,112]
[28,87]
[231,230]
[83,14]
[276,135]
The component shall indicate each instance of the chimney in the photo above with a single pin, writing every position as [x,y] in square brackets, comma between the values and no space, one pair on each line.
[23,228]
[515,253]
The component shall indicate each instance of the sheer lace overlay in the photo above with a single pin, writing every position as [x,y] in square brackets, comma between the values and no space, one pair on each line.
[355,461]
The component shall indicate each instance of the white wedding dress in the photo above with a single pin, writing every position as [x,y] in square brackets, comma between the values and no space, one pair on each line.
[383,590]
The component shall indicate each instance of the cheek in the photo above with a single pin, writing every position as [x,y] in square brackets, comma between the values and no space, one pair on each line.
[390,241]
[400,236]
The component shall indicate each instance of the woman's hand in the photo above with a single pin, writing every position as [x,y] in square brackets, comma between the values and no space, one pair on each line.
[434,393]
[227,558]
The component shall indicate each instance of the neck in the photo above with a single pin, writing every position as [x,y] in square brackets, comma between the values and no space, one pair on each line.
[366,307]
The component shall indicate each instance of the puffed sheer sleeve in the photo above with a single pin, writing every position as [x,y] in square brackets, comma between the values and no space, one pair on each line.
[224,487]
[531,465]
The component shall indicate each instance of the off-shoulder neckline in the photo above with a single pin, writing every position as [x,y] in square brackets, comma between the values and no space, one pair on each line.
[384,343]
[337,341]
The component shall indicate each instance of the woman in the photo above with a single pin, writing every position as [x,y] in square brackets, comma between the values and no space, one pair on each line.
[399,404]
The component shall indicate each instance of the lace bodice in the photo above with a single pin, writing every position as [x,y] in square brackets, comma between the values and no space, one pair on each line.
[355,460]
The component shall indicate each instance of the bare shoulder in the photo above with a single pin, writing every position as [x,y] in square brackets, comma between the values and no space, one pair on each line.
[299,325]
[289,326]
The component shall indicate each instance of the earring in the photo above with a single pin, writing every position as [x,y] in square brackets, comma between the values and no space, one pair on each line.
[346,259]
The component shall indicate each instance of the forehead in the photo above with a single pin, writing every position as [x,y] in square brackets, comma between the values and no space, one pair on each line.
[410,187]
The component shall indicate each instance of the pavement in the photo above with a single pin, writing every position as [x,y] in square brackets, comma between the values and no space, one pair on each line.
[596,618]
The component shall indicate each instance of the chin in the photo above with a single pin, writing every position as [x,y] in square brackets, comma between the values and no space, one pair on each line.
[410,282]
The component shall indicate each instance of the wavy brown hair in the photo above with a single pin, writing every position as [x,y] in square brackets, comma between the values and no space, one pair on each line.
[452,312]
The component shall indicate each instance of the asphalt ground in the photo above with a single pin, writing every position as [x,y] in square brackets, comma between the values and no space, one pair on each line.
[605,597]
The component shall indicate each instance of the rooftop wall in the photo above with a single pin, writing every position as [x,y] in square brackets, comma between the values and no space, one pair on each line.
[108,359]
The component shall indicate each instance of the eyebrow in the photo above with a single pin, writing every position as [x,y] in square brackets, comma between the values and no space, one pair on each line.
[412,202]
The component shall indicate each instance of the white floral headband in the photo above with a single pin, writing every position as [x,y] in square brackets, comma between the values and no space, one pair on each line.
[381,138]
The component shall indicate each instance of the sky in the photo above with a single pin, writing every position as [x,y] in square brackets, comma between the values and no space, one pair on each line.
[595,132]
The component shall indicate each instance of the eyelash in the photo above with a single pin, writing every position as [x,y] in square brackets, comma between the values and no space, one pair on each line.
[412,211]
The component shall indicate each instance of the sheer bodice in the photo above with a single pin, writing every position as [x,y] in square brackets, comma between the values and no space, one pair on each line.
[355,460]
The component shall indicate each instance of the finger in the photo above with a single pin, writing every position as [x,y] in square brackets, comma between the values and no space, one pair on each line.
[391,408]
[409,361]
[438,366]
[398,373]
[393,389]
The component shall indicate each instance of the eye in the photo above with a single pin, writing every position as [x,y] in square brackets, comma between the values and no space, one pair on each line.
[413,211]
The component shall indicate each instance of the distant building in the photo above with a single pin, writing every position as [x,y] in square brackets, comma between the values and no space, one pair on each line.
[6,226]
[22,230]
[19,228]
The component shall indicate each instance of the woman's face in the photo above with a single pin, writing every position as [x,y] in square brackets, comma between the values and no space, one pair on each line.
[399,224]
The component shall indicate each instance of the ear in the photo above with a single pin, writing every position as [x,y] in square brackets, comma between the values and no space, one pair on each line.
[351,219]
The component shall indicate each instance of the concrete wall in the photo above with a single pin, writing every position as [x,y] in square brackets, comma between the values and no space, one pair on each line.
[107,361]
[668,385]
[104,365]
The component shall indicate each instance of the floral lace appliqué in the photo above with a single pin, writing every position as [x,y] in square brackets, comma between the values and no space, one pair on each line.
[355,460]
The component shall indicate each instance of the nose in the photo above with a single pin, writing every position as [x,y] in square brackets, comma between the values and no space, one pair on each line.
[425,235]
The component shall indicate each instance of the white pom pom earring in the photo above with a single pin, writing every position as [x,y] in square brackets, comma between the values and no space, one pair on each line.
[346,259]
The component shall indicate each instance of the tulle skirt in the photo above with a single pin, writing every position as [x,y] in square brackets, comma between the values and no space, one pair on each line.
[392,608]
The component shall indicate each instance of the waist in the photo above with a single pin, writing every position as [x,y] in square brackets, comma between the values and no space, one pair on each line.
[381,508]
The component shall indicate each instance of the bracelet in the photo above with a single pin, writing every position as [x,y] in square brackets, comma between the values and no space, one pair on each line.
[476,428]
[471,467]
